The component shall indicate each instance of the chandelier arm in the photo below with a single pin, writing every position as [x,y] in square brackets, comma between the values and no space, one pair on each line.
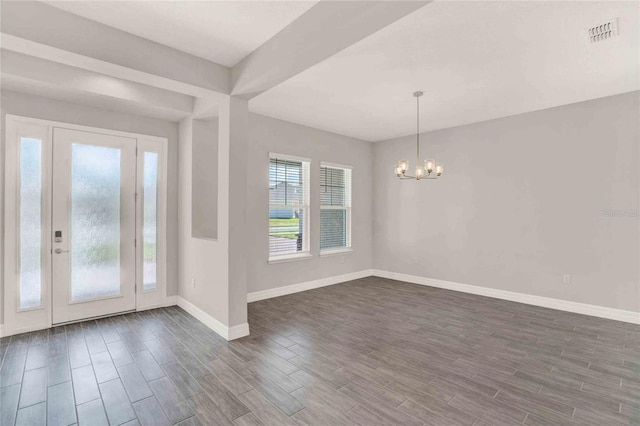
[406,176]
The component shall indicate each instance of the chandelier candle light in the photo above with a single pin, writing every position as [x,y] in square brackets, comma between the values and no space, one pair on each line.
[431,169]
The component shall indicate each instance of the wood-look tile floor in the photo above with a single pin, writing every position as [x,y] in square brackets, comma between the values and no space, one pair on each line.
[368,352]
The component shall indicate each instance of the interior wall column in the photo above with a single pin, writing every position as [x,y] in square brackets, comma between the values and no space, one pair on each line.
[232,150]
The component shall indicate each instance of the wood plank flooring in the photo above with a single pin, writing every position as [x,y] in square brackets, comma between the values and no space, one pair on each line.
[368,352]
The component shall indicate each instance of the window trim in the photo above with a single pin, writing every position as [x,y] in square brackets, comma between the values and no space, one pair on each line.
[335,166]
[302,255]
[289,157]
[336,251]
[348,248]
[305,253]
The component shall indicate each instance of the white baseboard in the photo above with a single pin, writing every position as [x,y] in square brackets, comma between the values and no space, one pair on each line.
[168,301]
[308,285]
[529,299]
[238,331]
[229,333]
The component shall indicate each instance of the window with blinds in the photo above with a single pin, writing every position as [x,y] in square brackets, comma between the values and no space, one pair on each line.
[335,207]
[288,206]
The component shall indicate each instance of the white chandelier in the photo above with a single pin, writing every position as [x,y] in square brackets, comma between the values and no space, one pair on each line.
[431,169]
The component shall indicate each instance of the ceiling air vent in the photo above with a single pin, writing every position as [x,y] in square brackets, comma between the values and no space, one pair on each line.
[603,31]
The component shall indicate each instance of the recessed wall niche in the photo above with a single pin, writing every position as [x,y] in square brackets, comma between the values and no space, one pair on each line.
[204,190]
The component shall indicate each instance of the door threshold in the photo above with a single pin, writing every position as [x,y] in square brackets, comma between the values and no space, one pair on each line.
[58,324]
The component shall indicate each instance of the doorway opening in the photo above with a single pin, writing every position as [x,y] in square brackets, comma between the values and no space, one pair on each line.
[85,223]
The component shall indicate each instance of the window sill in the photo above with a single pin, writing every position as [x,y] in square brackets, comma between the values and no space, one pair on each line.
[336,252]
[290,257]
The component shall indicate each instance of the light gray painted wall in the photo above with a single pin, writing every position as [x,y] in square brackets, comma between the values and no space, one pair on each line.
[519,205]
[271,135]
[205,179]
[203,269]
[523,201]
[206,263]
[233,144]
[49,109]
[213,271]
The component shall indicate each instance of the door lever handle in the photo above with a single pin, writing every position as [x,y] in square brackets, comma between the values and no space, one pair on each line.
[58,251]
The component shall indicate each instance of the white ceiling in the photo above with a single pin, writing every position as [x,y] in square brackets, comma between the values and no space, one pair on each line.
[220,31]
[475,61]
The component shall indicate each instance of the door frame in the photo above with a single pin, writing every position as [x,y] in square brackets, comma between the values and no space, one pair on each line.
[63,307]
[24,320]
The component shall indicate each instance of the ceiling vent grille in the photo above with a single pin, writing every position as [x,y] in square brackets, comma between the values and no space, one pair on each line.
[603,31]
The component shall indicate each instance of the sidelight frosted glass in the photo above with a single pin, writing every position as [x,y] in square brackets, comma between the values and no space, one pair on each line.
[95,222]
[30,223]
[150,217]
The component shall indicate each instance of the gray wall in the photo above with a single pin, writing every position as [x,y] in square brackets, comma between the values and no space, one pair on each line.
[524,200]
[204,262]
[271,135]
[204,205]
[49,109]
[203,269]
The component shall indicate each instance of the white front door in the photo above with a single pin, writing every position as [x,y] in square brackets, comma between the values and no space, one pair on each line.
[93,225]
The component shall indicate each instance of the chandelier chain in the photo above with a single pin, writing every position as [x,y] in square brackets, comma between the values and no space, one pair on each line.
[417,129]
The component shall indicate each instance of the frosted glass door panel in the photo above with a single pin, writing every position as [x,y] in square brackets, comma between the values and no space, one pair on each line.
[95,222]
[150,221]
[30,223]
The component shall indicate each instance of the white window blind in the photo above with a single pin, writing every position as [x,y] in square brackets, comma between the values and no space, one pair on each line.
[288,206]
[335,207]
